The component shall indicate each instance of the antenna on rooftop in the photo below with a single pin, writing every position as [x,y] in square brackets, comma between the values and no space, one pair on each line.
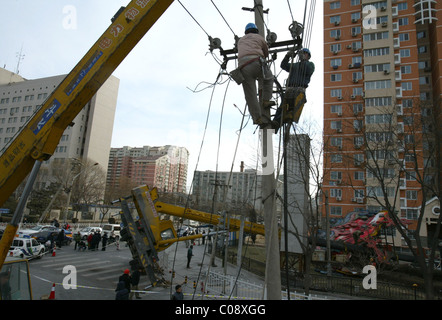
[20,56]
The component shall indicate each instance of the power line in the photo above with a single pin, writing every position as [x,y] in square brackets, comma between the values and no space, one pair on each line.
[223,17]
[193,18]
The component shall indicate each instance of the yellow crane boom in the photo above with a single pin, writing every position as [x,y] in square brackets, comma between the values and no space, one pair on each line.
[38,139]
[209,218]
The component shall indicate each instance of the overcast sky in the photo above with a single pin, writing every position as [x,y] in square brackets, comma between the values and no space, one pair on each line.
[156,105]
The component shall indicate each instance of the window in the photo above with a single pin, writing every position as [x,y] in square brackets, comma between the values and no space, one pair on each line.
[335,175]
[336,92]
[378,102]
[336,211]
[335,77]
[423,65]
[421,35]
[355,31]
[358,107]
[404,53]
[336,193]
[356,60]
[424,80]
[358,159]
[358,141]
[404,37]
[407,86]
[336,141]
[355,16]
[422,49]
[358,91]
[403,21]
[377,52]
[355,2]
[359,175]
[335,62]
[336,108]
[405,69]
[407,103]
[335,33]
[335,5]
[335,19]
[357,75]
[376,36]
[378,119]
[380,84]
[359,193]
[336,125]
[336,158]
[377,67]
[335,47]
[402,6]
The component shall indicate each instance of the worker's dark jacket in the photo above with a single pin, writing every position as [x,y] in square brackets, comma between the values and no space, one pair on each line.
[300,72]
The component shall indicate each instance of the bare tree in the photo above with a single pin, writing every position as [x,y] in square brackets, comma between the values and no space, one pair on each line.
[401,148]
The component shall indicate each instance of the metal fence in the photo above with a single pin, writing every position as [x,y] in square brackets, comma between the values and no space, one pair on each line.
[232,288]
[353,287]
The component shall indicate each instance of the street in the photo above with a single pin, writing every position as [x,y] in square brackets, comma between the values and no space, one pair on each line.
[97,273]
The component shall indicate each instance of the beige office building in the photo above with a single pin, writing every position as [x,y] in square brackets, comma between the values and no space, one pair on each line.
[89,137]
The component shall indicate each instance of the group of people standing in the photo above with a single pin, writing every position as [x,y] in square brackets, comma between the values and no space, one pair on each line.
[93,241]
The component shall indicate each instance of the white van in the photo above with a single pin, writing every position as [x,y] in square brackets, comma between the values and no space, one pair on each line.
[108,228]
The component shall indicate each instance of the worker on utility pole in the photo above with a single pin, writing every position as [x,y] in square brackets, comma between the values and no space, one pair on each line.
[300,74]
[252,52]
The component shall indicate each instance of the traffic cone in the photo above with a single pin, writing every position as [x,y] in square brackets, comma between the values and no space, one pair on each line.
[53,251]
[52,295]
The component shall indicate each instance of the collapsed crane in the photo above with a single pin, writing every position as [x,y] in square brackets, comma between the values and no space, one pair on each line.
[149,234]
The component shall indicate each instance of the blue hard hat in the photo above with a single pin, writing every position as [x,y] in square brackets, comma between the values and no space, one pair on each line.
[305,50]
[251,25]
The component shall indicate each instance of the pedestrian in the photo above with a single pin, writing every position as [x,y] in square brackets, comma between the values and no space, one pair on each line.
[121,291]
[178,294]
[89,241]
[126,278]
[189,255]
[204,237]
[50,241]
[135,280]
[77,239]
[300,74]
[60,238]
[55,223]
[103,242]
[252,52]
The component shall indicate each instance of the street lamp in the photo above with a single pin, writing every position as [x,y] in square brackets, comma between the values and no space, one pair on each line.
[69,189]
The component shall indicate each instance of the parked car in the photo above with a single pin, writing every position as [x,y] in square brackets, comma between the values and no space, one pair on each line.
[109,228]
[85,232]
[26,248]
[36,229]
[43,236]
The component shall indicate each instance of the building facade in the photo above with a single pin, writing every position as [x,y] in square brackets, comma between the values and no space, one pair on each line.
[235,191]
[162,167]
[88,138]
[382,91]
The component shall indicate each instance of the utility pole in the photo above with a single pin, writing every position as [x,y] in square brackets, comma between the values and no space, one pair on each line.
[273,270]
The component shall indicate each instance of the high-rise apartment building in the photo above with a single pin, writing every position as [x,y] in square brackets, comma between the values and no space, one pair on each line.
[91,133]
[382,91]
[163,167]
